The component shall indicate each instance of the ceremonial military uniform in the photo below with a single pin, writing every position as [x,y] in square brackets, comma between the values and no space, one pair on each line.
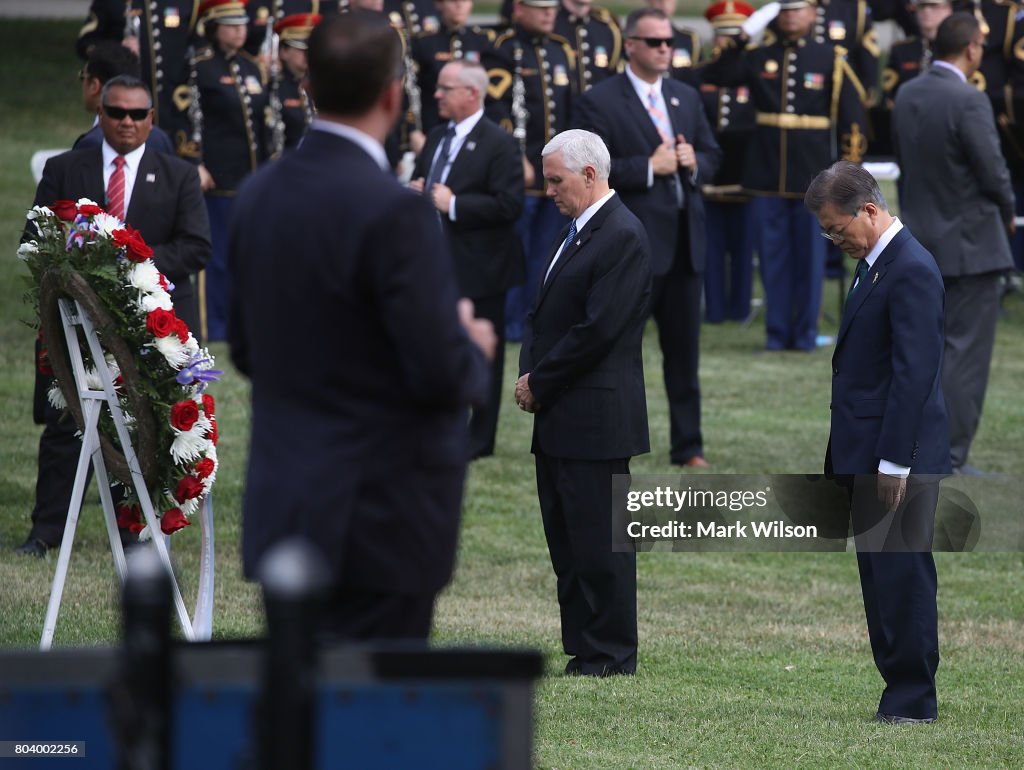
[847,23]
[291,109]
[531,96]
[907,59]
[685,55]
[729,227]
[596,40]
[228,110]
[412,17]
[807,98]
[727,292]
[432,50]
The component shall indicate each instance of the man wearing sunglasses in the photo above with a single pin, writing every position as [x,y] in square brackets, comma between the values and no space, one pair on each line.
[662,151]
[157,194]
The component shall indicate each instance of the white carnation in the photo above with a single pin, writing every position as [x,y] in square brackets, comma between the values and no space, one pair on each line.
[85,202]
[27,249]
[189,445]
[105,224]
[56,397]
[156,299]
[145,277]
[172,350]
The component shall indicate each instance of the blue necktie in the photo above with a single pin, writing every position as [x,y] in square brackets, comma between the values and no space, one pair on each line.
[440,161]
[565,245]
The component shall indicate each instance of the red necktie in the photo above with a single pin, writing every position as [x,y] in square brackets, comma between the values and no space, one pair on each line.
[115,190]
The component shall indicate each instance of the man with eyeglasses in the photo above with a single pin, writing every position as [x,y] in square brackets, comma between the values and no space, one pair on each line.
[157,194]
[471,171]
[662,151]
[957,198]
[810,112]
[888,439]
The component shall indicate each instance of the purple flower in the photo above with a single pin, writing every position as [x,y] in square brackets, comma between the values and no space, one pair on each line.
[198,370]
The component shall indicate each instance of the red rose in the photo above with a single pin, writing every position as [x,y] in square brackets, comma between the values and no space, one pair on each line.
[204,467]
[181,329]
[161,322]
[138,251]
[66,210]
[188,488]
[208,405]
[184,415]
[89,209]
[172,521]
[129,517]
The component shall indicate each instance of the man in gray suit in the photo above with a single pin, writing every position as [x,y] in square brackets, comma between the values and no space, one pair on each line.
[958,201]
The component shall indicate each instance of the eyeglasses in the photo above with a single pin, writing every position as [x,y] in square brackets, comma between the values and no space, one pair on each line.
[446,89]
[655,42]
[837,237]
[120,113]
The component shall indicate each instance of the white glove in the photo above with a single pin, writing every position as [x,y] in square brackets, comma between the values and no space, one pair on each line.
[760,19]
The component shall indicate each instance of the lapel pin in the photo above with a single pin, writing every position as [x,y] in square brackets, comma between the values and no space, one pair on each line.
[578,242]
[674,101]
[875,279]
[151,177]
[471,146]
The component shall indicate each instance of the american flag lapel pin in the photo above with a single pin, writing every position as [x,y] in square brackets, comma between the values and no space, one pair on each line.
[674,101]
[471,146]
[151,177]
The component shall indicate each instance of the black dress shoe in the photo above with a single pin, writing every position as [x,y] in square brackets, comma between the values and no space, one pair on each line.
[33,547]
[893,719]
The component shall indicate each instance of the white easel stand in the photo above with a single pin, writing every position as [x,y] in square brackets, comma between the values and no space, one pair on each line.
[200,628]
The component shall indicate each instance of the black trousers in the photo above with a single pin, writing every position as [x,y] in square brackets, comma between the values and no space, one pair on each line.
[483,422]
[899,585]
[676,309]
[361,614]
[596,587]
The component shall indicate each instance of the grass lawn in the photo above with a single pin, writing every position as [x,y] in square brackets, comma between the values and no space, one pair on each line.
[746,660]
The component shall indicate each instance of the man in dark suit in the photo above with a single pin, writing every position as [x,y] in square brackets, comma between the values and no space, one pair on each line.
[581,375]
[662,151]
[889,436]
[475,171]
[957,196]
[162,200]
[364,452]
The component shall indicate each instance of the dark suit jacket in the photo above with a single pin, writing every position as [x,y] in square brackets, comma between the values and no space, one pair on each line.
[487,179]
[166,207]
[343,314]
[582,344]
[887,400]
[956,194]
[613,110]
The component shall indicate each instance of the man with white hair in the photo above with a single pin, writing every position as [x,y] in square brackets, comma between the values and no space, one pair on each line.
[581,375]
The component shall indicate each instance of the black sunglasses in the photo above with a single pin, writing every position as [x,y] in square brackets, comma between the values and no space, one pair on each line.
[655,42]
[120,113]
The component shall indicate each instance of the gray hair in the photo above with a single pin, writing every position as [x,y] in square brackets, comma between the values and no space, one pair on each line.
[846,186]
[472,74]
[579,149]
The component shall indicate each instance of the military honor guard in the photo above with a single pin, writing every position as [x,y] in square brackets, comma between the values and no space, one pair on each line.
[456,39]
[531,91]
[810,111]
[594,34]
[229,137]
[686,46]
[847,25]
[294,108]
[728,270]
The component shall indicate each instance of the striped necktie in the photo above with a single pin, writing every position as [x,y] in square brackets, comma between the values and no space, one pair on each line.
[115,190]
